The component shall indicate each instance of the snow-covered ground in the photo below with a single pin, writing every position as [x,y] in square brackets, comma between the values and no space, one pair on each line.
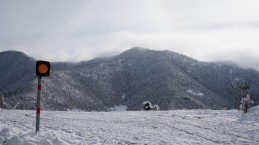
[130,128]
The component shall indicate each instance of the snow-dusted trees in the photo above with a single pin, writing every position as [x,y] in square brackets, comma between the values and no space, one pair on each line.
[146,105]
[241,89]
[246,103]
[2,102]
[156,107]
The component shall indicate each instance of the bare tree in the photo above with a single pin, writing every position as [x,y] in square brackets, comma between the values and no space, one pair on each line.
[241,89]
[246,103]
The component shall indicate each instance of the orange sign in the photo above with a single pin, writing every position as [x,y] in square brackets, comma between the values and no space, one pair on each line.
[42,68]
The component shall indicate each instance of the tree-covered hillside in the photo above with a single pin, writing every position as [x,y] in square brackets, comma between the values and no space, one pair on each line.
[171,80]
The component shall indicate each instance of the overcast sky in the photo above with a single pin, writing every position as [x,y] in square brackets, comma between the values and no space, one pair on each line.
[75,30]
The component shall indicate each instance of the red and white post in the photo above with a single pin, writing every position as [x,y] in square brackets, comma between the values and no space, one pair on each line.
[38,105]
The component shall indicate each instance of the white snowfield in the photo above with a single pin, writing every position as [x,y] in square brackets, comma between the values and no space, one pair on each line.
[205,127]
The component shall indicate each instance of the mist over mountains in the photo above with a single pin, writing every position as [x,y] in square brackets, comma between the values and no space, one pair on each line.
[171,80]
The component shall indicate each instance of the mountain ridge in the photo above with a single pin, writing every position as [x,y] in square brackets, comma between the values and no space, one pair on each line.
[169,79]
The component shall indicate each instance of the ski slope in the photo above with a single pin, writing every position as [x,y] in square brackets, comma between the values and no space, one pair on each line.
[130,128]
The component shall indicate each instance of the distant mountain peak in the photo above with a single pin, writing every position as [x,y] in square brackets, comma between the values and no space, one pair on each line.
[12,56]
[137,50]
[140,51]
[12,52]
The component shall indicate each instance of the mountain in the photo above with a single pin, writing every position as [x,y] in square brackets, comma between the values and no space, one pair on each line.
[171,80]
[17,75]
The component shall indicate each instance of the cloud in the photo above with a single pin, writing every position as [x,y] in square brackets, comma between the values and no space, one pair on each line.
[206,30]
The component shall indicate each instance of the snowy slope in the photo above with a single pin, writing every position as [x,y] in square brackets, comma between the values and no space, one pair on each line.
[124,128]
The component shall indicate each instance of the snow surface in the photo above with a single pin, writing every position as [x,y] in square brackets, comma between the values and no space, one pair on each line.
[128,128]
[118,108]
[195,93]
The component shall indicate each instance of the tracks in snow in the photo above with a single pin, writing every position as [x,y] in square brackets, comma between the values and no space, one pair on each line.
[208,131]
[182,124]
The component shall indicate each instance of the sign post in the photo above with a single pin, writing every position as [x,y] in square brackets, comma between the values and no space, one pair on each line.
[38,105]
[42,69]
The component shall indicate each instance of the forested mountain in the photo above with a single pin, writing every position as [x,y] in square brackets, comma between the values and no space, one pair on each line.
[171,80]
